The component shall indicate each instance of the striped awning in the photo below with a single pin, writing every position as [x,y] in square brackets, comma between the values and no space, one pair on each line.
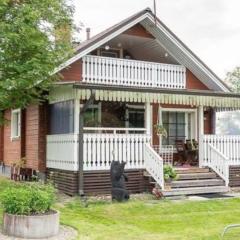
[63,93]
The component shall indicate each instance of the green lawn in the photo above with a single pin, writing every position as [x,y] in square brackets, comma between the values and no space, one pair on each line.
[148,219]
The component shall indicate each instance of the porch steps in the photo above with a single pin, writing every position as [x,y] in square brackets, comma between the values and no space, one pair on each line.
[194,181]
[195,191]
[197,183]
[192,170]
[194,176]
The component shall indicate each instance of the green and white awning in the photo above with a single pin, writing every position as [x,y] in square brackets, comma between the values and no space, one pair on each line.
[208,99]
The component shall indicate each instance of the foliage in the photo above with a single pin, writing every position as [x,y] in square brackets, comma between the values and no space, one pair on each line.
[31,49]
[169,173]
[233,78]
[28,198]
[160,130]
[146,218]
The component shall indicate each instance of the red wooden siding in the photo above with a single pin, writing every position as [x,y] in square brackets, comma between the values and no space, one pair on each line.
[35,137]
[12,148]
[73,73]
[208,122]
[1,144]
[31,144]
[192,82]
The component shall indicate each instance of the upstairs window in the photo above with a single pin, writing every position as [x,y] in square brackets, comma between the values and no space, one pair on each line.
[16,123]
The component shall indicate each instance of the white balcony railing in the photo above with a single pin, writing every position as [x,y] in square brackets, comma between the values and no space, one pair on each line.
[124,72]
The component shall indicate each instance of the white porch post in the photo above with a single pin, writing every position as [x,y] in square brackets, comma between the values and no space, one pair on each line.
[200,134]
[148,118]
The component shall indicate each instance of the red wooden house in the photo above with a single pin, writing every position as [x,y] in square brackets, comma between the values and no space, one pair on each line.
[138,74]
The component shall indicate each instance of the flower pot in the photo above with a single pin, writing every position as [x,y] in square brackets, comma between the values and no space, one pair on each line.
[33,226]
[167,184]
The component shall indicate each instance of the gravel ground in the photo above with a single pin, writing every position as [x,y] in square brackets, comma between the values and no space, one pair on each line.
[65,233]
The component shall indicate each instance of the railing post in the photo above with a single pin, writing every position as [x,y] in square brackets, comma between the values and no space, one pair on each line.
[200,135]
[227,174]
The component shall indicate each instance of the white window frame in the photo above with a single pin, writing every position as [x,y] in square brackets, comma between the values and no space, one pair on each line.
[15,126]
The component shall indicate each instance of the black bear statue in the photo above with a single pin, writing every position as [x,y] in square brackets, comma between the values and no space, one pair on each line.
[118,178]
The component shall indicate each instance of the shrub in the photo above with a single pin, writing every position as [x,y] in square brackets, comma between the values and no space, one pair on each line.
[28,198]
[169,173]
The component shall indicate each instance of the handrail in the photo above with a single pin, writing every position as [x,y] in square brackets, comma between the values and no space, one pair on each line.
[113,129]
[154,165]
[132,61]
[218,162]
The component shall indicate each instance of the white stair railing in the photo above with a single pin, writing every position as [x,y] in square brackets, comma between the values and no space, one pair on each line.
[218,162]
[229,145]
[154,165]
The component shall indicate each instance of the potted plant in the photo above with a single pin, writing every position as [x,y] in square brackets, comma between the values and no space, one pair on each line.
[27,211]
[160,130]
[169,175]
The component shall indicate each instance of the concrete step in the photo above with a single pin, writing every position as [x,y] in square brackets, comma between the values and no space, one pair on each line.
[196,176]
[195,191]
[191,170]
[197,183]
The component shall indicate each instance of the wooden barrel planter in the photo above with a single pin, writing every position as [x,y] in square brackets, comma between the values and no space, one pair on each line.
[32,226]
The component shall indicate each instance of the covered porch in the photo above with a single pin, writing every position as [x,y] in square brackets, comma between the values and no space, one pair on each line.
[119,125]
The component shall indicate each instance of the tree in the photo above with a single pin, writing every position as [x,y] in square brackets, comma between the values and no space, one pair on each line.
[30,50]
[233,78]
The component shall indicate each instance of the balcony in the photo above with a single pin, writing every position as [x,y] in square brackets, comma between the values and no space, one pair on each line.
[132,73]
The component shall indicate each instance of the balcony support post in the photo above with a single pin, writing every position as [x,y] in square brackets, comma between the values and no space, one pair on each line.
[81,142]
[148,118]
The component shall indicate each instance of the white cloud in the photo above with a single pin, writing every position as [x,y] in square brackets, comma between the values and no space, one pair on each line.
[211,28]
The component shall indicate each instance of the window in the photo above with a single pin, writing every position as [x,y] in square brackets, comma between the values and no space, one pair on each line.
[175,124]
[92,116]
[113,53]
[179,126]
[16,123]
[61,117]
[136,118]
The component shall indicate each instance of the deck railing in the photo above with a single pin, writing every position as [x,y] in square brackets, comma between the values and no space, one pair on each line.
[99,150]
[125,72]
[62,151]
[154,165]
[228,145]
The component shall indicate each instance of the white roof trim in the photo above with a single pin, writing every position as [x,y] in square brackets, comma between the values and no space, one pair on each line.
[189,54]
[160,27]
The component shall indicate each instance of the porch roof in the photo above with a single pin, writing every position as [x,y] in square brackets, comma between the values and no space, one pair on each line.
[129,94]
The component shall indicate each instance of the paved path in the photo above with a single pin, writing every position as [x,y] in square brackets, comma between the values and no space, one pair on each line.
[65,233]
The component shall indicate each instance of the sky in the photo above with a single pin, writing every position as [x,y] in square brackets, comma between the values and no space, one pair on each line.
[211,28]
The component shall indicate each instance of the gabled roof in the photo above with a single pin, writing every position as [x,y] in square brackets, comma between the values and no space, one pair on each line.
[165,37]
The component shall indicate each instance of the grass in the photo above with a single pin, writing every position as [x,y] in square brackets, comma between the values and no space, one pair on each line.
[148,219]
